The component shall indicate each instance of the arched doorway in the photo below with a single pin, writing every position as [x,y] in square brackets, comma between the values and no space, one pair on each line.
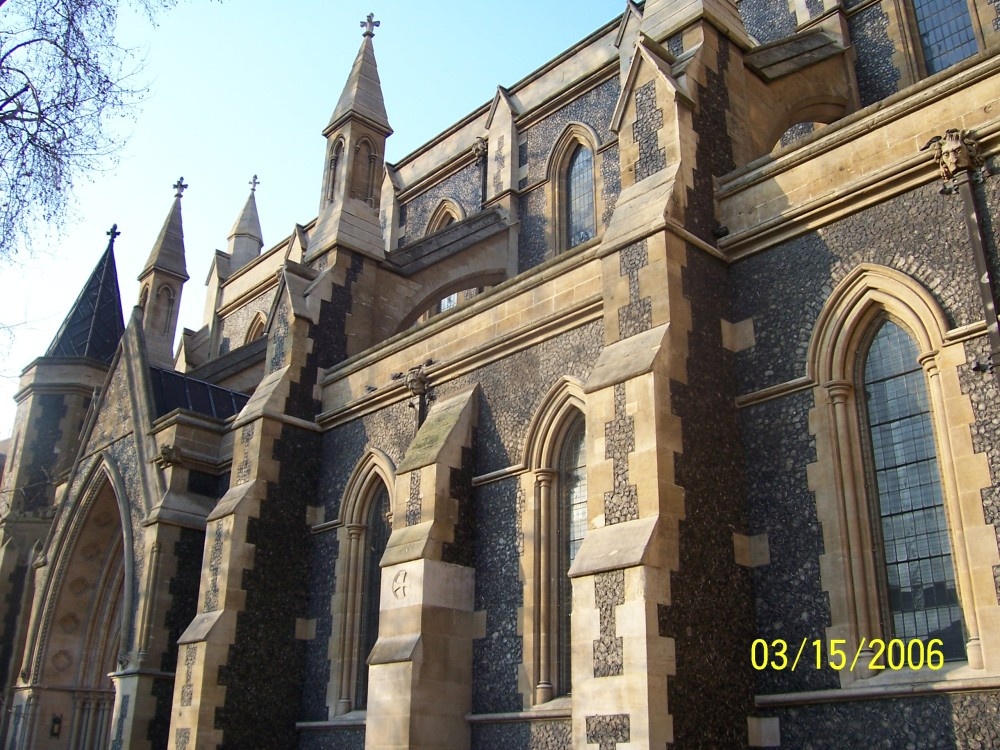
[65,697]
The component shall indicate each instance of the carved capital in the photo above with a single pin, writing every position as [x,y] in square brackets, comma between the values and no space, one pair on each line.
[544,477]
[839,390]
[929,362]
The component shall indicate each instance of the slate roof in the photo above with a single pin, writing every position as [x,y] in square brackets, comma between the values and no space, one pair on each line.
[94,325]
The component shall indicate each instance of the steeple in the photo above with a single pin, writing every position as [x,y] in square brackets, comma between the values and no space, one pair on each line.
[161,283]
[355,161]
[94,325]
[245,238]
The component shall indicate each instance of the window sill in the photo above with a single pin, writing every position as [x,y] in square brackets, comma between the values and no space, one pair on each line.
[355,718]
[952,678]
[557,708]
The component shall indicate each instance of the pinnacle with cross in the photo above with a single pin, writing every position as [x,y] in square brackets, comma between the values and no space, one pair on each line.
[370,25]
[253,184]
[112,233]
[180,187]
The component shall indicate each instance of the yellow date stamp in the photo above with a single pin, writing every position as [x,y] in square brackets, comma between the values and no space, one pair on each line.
[873,654]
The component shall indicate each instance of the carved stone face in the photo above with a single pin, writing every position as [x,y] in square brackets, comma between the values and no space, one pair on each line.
[954,154]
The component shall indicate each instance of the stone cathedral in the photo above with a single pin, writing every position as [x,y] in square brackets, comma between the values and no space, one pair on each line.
[654,404]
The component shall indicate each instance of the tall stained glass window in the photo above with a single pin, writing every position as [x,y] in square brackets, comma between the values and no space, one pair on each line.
[920,591]
[580,197]
[572,527]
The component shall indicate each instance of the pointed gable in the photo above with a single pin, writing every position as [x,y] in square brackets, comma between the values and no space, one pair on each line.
[94,325]
[362,95]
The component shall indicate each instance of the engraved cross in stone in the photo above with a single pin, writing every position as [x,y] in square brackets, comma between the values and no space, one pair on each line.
[370,25]
[180,187]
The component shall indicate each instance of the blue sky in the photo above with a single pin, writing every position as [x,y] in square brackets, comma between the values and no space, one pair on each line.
[245,87]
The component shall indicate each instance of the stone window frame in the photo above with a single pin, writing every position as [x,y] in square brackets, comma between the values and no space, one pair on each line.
[446,212]
[346,605]
[848,569]
[554,420]
[166,299]
[918,54]
[557,171]
[257,328]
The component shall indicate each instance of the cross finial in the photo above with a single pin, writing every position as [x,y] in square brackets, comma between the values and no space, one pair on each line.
[253,184]
[112,233]
[180,187]
[370,25]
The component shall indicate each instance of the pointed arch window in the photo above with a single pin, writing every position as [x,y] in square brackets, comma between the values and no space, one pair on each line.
[579,192]
[376,536]
[164,308]
[572,513]
[363,172]
[918,589]
[256,329]
[335,158]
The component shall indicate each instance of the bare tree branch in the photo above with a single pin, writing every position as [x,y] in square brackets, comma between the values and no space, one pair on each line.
[63,79]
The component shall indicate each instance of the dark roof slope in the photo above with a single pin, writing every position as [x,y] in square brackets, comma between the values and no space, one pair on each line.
[94,325]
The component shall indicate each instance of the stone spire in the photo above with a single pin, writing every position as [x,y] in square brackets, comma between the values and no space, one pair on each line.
[362,95]
[161,283]
[168,251]
[245,238]
[94,325]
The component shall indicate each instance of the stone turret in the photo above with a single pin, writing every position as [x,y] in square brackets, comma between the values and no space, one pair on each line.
[355,160]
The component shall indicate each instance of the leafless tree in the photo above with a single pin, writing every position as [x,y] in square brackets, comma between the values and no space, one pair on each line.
[63,78]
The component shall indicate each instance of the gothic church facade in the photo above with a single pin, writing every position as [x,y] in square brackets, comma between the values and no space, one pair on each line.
[641,408]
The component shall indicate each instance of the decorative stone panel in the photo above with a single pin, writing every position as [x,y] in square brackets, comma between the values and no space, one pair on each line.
[609,592]
[621,503]
[607,731]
